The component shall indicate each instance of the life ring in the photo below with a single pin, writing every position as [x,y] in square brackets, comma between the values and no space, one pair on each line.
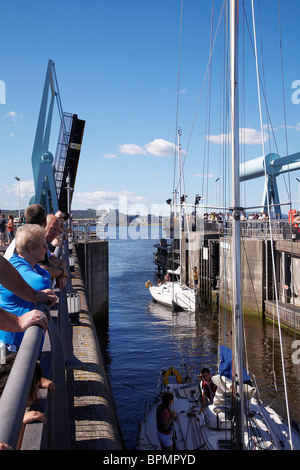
[170,372]
[148,284]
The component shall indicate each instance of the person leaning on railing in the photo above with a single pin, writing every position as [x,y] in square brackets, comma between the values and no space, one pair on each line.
[11,279]
[51,263]
[31,247]
[36,214]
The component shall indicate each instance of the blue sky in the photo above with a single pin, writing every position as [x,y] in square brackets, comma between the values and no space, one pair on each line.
[117,66]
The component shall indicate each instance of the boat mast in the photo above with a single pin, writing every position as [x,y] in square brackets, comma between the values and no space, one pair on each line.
[237,330]
[180,203]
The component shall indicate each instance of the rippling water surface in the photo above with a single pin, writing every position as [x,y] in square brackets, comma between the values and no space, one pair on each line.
[144,337]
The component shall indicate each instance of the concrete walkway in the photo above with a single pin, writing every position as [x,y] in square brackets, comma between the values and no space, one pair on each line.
[93,420]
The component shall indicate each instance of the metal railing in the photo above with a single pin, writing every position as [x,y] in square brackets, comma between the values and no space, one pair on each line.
[262,229]
[55,357]
[84,230]
[259,229]
[13,401]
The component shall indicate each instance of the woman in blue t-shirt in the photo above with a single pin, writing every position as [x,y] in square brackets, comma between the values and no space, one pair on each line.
[31,248]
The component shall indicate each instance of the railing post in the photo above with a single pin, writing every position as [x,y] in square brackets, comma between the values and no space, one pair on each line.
[59,432]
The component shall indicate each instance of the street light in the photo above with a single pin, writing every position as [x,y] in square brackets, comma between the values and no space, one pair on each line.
[216,191]
[18,179]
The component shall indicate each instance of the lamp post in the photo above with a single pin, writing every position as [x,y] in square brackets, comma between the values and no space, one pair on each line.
[169,202]
[216,191]
[19,181]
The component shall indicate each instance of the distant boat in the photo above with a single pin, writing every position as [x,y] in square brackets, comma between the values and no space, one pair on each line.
[174,294]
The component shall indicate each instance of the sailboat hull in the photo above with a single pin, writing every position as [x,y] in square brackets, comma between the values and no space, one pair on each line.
[173,294]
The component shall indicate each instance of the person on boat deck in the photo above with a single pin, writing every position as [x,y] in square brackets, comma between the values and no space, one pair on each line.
[165,418]
[195,274]
[167,278]
[208,388]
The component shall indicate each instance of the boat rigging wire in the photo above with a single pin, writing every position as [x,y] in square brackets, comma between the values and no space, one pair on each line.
[204,80]
[283,94]
[268,116]
[178,87]
[271,234]
[208,111]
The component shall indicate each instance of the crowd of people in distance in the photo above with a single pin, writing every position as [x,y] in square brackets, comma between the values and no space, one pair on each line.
[194,221]
[28,270]
[293,217]
[220,217]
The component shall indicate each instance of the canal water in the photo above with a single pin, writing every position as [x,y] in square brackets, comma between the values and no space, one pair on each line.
[143,337]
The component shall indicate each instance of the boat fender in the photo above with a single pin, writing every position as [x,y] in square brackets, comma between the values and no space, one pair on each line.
[169,373]
[148,284]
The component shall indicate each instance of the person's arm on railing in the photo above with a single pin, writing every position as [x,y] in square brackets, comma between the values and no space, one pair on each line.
[30,417]
[56,267]
[11,279]
[14,324]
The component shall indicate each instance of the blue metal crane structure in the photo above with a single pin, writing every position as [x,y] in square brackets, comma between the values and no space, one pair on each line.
[273,165]
[50,179]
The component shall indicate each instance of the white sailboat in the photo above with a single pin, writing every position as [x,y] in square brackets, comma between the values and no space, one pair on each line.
[236,419]
[175,293]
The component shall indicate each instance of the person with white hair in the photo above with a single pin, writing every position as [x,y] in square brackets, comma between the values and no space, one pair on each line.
[13,281]
[31,248]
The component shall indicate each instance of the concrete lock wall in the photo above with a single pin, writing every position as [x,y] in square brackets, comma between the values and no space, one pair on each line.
[252,275]
[93,259]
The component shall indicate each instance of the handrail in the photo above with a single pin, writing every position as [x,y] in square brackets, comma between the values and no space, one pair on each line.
[14,398]
[86,231]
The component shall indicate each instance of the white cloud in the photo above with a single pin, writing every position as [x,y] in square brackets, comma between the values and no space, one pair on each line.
[198,175]
[160,148]
[131,149]
[12,121]
[26,188]
[110,156]
[13,116]
[105,199]
[296,128]
[246,135]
